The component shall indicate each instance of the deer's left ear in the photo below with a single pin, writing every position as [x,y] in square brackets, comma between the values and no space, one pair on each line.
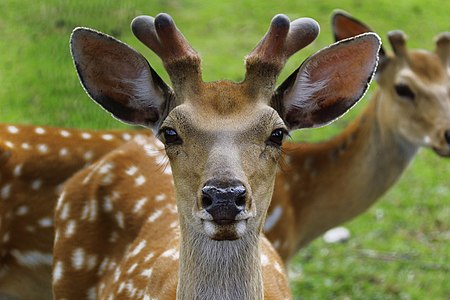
[328,83]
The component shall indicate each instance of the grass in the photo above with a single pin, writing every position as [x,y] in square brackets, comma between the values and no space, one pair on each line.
[399,249]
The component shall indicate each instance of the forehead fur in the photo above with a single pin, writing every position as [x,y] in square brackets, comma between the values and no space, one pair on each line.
[427,65]
[224,98]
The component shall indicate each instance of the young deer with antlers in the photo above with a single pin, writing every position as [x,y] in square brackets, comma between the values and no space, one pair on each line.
[34,163]
[223,140]
[410,109]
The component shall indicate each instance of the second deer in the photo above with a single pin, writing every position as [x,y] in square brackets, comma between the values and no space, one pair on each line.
[409,109]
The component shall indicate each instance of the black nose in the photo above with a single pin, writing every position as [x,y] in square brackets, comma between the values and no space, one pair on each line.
[447,136]
[223,201]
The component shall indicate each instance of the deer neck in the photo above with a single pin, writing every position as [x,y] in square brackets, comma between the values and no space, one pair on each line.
[371,154]
[212,269]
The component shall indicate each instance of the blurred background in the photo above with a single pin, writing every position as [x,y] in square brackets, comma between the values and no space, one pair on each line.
[399,249]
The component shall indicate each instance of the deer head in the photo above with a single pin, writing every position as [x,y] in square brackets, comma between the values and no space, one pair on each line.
[223,138]
[415,84]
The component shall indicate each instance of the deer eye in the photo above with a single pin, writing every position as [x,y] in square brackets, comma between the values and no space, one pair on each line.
[276,137]
[170,136]
[404,91]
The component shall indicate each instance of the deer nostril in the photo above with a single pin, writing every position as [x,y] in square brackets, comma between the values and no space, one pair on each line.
[240,201]
[447,136]
[207,201]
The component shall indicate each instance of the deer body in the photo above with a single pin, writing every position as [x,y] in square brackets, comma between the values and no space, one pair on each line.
[410,109]
[35,161]
[223,141]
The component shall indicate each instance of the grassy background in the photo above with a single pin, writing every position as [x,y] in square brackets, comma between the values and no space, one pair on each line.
[399,249]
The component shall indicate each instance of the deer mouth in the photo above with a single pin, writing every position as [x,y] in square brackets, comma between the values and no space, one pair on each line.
[221,230]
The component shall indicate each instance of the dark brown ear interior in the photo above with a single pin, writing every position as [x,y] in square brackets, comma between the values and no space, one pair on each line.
[118,78]
[328,83]
[346,26]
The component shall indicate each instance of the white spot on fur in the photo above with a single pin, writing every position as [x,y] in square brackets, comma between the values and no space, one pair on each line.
[42,148]
[91,262]
[107,204]
[132,268]
[22,210]
[277,267]
[107,137]
[86,135]
[39,130]
[36,184]
[88,155]
[113,237]
[120,219]
[117,274]
[78,258]
[426,140]
[65,211]
[152,218]
[70,228]
[6,237]
[131,170]
[17,170]
[63,152]
[172,253]
[273,218]
[31,258]
[126,136]
[9,144]
[6,191]
[57,271]
[64,133]
[25,146]
[91,293]
[140,180]
[160,197]
[138,248]
[45,222]
[264,260]
[105,168]
[149,256]
[13,129]
[147,273]
[139,204]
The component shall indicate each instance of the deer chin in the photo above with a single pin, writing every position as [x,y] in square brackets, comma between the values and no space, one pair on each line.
[221,230]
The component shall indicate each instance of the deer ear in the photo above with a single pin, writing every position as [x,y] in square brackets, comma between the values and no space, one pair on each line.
[346,26]
[328,83]
[118,78]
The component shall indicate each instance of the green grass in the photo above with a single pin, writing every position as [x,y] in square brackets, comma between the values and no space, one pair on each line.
[399,249]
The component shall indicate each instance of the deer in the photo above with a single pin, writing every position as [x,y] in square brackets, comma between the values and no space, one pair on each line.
[409,109]
[35,161]
[223,142]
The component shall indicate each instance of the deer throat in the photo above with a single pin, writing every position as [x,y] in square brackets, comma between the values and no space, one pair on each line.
[227,270]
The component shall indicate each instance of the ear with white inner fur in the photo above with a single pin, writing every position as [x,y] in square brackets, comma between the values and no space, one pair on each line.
[118,78]
[328,83]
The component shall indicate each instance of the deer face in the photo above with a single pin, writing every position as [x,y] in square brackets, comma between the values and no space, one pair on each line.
[223,154]
[417,84]
[223,139]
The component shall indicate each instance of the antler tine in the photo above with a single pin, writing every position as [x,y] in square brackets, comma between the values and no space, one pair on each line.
[162,36]
[443,47]
[398,38]
[283,39]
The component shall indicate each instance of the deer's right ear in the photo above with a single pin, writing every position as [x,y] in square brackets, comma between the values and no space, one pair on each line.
[119,79]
